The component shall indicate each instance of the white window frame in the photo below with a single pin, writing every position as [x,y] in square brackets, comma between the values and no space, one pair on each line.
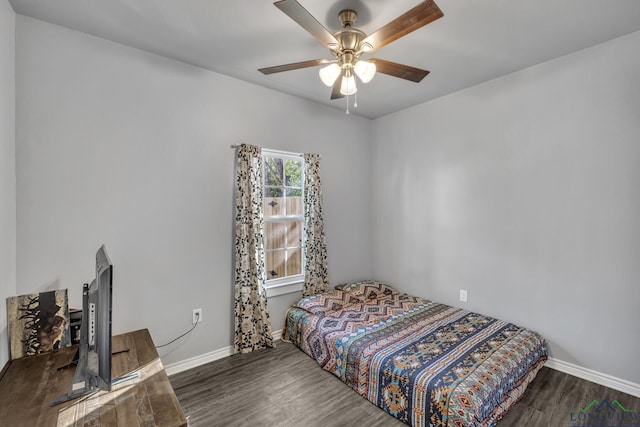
[288,284]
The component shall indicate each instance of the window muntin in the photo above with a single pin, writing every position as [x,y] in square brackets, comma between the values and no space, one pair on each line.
[283,217]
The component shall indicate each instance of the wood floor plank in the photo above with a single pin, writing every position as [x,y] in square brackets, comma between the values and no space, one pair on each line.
[285,387]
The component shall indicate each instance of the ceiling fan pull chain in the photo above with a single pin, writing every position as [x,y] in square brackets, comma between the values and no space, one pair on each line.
[347,103]
[355,100]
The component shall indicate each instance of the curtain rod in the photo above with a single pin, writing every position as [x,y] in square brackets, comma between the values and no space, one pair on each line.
[284,153]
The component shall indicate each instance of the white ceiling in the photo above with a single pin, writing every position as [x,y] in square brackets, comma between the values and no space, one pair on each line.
[475,40]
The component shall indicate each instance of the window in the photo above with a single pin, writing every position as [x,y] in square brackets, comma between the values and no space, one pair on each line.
[283,218]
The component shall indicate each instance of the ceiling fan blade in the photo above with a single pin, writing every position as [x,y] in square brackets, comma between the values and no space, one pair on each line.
[294,66]
[399,70]
[299,14]
[335,90]
[419,16]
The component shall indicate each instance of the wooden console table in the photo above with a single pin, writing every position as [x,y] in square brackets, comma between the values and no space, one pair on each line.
[30,383]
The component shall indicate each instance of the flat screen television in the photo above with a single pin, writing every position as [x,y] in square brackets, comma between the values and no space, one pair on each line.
[93,358]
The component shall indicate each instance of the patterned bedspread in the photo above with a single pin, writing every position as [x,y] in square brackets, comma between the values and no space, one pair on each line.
[427,364]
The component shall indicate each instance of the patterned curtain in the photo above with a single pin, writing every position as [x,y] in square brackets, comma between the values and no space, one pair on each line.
[252,324]
[315,249]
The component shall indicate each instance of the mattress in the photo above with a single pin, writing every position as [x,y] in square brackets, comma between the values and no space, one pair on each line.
[425,363]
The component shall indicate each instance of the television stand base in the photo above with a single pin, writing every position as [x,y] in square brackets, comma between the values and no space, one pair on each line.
[85,391]
[120,380]
[81,388]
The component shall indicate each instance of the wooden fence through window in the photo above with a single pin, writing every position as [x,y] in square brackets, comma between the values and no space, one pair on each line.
[283,237]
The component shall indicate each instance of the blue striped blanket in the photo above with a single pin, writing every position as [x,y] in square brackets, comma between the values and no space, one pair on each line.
[425,363]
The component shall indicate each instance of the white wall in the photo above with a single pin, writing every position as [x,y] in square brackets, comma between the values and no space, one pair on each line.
[7,170]
[524,191]
[521,190]
[122,147]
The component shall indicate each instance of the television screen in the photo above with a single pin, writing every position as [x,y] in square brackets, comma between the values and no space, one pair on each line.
[93,358]
[99,334]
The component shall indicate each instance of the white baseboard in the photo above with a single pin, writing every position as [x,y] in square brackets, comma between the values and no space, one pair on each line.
[555,364]
[594,376]
[196,361]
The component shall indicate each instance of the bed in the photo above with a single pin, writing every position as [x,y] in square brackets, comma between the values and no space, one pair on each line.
[425,363]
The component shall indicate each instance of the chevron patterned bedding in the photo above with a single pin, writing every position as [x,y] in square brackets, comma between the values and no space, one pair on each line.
[425,363]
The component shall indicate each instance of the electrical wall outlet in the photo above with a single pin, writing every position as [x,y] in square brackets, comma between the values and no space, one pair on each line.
[463,295]
[197,315]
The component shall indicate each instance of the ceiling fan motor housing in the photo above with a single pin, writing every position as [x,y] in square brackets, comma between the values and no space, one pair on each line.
[349,39]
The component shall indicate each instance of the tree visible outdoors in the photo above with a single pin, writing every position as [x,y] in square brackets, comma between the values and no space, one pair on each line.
[280,173]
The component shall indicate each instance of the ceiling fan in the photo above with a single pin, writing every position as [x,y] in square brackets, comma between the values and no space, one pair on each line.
[349,44]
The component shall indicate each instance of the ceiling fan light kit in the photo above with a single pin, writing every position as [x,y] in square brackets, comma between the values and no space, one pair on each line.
[348,85]
[365,70]
[348,44]
[330,74]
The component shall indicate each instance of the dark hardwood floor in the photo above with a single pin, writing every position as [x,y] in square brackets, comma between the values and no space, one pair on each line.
[285,387]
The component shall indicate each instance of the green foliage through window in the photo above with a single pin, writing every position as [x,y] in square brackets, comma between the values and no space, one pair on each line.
[282,173]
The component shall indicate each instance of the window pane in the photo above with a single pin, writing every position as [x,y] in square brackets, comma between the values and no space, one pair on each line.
[283,187]
[274,235]
[275,264]
[294,262]
[273,171]
[274,203]
[294,192]
[293,173]
[294,234]
[273,191]
[294,205]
